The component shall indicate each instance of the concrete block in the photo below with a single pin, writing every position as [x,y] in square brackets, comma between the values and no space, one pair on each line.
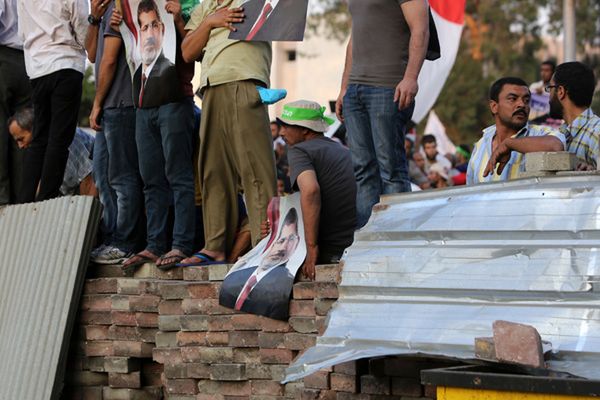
[550,161]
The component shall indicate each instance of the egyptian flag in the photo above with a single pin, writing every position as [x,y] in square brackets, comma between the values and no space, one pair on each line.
[449,18]
[125,8]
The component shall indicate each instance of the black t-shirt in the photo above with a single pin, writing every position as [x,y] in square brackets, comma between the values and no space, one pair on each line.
[333,166]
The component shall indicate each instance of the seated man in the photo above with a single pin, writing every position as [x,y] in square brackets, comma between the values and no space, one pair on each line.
[322,170]
[571,92]
[504,142]
[78,173]
[432,155]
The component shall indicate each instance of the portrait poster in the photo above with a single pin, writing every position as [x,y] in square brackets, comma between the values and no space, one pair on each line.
[540,103]
[272,20]
[261,282]
[150,40]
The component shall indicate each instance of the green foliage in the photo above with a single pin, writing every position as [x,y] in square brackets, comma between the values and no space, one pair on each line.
[87,97]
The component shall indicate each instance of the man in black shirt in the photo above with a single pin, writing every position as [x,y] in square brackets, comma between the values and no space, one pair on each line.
[322,170]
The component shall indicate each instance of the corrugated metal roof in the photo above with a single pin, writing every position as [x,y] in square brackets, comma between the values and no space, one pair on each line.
[433,270]
[44,250]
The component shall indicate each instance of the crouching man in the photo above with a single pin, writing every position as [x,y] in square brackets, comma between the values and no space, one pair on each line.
[322,170]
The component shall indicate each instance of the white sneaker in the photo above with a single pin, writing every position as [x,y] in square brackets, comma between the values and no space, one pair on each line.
[97,251]
[111,256]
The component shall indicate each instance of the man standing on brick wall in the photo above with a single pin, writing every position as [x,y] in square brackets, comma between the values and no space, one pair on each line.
[385,53]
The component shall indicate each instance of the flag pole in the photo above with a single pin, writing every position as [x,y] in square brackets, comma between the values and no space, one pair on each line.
[570,45]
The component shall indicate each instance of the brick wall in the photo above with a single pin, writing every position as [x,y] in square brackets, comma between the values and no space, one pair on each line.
[164,335]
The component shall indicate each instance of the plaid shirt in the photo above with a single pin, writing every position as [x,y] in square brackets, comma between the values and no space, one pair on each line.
[583,137]
[482,152]
[79,163]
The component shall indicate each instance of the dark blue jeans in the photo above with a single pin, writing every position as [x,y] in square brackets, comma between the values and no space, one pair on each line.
[123,175]
[164,144]
[108,197]
[376,129]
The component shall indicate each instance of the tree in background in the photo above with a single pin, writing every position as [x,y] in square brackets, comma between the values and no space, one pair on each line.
[87,98]
[499,39]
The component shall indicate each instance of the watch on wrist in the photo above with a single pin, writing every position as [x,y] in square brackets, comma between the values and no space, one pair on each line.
[93,20]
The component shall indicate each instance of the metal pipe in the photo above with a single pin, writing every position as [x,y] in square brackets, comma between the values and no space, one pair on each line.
[570,44]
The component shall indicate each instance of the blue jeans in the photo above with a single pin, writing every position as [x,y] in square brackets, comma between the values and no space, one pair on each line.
[108,197]
[164,144]
[124,177]
[376,129]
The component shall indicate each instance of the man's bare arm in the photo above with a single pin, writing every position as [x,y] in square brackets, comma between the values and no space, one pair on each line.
[98,8]
[310,200]
[417,17]
[534,144]
[345,78]
[106,75]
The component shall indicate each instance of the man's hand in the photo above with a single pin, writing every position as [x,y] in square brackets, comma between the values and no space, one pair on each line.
[98,8]
[95,117]
[339,106]
[405,92]
[225,18]
[265,229]
[115,20]
[500,156]
[174,7]
[308,268]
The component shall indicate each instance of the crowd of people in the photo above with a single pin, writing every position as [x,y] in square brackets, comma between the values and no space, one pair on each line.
[180,187]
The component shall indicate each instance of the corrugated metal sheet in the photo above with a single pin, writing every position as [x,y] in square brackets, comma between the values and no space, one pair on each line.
[44,250]
[433,270]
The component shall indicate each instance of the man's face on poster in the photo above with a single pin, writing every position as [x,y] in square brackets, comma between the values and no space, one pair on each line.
[152,31]
[283,247]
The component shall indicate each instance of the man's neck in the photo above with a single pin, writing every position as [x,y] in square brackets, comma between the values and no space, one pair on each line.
[571,112]
[434,159]
[504,132]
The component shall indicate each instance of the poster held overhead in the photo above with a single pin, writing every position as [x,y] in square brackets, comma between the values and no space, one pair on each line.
[261,282]
[272,20]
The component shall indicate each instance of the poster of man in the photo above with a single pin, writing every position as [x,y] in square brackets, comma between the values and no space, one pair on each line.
[150,41]
[261,282]
[272,20]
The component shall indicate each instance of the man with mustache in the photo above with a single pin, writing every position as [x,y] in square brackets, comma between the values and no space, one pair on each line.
[504,143]
[265,289]
[571,92]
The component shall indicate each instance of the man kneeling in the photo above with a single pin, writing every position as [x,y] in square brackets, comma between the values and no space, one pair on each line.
[322,170]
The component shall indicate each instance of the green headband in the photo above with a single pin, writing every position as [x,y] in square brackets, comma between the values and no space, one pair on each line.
[305,114]
[463,152]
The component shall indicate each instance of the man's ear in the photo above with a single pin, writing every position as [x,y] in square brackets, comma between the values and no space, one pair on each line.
[561,92]
[493,107]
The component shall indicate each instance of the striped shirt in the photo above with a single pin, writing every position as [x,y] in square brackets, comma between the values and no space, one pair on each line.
[79,163]
[583,137]
[482,152]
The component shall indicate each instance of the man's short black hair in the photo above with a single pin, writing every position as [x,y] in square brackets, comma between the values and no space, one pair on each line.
[291,217]
[578,80]
[147,6]
[428,139]
[551,64]
[499,84]
[24,118]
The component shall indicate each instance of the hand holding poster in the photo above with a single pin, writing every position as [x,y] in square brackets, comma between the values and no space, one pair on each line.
[272,20]
[261,282]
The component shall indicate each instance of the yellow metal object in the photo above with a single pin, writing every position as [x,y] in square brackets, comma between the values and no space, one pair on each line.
[449,393]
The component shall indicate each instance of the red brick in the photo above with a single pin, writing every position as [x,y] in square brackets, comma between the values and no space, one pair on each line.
[150,287]
[127,286]
[99,348]
[327,273]
[304,324]
[167,356]
[144,303]
[131,380]
[247,322]
[123,318]
[343,383]
[95,303]
[273,325]
[322,306]
[207,354]
[228,372]
[95,317]
[321,325]
[271,340]
[170,307]
[205,306]
[122,365]
[220,323]
[176,371]
[87,378]
[293,389]
[370,384]
[181,386]
[217,338]
[243,339]
[246,355]
[407,387]
[96,332]
[518,344]
[305,290]
[169,323]
[195,274]
[197,370]
[204,290]
[317,380]
[258,371]
[146,335]
[299,341]
[276,356]
[314,290]
[347,368]
[224,388]
[146,320]
[302,308]
[268,388]
[191,338]
[173,290]
[102,285]
[132,349]
[194,323]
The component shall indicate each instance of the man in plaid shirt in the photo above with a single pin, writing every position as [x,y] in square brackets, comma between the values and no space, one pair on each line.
[571,91]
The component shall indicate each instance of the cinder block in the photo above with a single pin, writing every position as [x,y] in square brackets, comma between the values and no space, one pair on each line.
[550,161]
[518,343]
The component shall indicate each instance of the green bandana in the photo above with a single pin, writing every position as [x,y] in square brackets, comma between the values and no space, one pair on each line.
[305,114]
[463,152]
